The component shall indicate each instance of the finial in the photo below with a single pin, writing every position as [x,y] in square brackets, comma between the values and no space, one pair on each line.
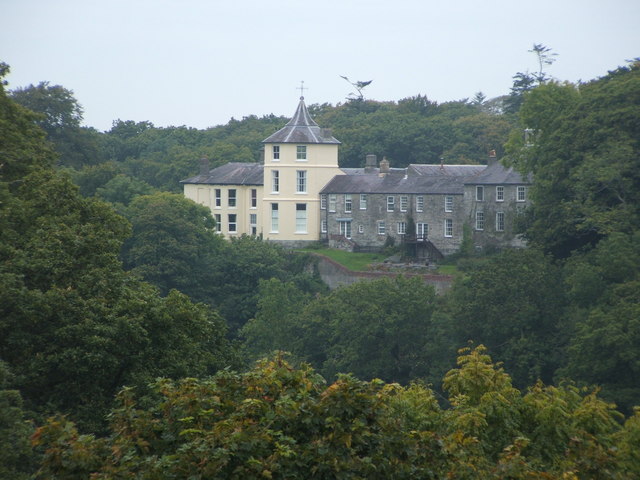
[302,89]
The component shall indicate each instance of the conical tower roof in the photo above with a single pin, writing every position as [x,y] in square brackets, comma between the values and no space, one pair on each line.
[301,129]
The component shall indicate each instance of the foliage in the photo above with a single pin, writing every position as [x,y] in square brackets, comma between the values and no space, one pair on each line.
[374,329]
[512,302]
[74,327]
[279,421]
[356,262]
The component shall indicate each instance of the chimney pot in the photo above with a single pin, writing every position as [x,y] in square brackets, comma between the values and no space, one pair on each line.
[370,163]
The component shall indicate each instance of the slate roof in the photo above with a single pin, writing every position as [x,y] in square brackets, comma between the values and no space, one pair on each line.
[301,129]
[234,173]
[448,170]
[497,174]
[394,184]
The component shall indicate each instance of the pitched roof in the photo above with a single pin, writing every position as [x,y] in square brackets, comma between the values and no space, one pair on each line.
[234,173]
[497,174]
[447,170]
[394,184]
[301,129]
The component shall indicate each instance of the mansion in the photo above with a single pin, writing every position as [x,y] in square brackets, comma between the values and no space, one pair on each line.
[298,195]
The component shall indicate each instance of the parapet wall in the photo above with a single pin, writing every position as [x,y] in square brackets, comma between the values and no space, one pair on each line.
[335,275]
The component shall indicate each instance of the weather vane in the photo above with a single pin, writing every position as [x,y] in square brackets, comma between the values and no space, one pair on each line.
[302,89]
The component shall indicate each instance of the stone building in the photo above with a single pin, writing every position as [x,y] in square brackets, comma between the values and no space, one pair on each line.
[299,195]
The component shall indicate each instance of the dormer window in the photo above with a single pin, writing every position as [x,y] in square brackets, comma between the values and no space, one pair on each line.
[301,152]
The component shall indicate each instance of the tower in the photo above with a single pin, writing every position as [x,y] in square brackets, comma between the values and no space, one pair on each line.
[300,159]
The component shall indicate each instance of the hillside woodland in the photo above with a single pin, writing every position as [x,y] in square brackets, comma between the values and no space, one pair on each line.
[136,343]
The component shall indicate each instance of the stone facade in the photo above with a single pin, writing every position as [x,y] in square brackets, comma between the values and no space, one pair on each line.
[299,195]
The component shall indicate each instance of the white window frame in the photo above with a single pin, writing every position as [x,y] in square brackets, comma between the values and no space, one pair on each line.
[348,204]
[391,203]
[253,223]
[479,193]
[301,218]
[275,218]
[254,198]
[499,193]
[276,153]
[323,226]
[382,228]
[420,203]
[218,197]
[448,227]
[218,218]
[479,221]
[404,203]
[345,228]
[363,201]
[301,181]
[233,224]
[301,153]
[499,221]
[275,181]
[333,200]
[521,193]
[402,228]
[448,203]
[422,230]
[232,200]
[323,202]
[360,228]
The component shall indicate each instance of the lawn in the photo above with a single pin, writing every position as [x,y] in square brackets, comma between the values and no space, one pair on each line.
[356,262]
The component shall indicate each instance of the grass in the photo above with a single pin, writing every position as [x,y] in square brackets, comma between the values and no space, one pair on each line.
[356,262]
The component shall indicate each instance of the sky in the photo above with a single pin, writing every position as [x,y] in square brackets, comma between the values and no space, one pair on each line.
[200,63]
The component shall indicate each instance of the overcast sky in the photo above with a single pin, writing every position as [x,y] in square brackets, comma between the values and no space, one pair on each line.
[200,62]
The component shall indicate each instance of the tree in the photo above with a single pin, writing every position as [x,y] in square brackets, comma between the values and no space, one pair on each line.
[524,82]
[173,244]
[359,86]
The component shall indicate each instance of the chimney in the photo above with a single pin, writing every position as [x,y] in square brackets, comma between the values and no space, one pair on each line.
[327,133]
[370,163]
[492,158]
[384,166]
[204,166]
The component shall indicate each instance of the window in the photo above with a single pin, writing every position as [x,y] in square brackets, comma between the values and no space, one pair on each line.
[301,152]
[479,220]
[274,218]
[499,221]
[521,194]
[275,181]
[360,228]
[391,201]
[363,201]
[253,223]
[218,218]
[422,231]
[323,202]
[218,194]
[323,226]
[332,202]
[404,203]
[345,228]
[301,181]
[232,197]
[347,203]
[499,193]
[448,203]
[233,225]
[254,198]
[479,194]
[419,203]
[276,152]
[381,227]
[448,227]
[402,228]
[301,218]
